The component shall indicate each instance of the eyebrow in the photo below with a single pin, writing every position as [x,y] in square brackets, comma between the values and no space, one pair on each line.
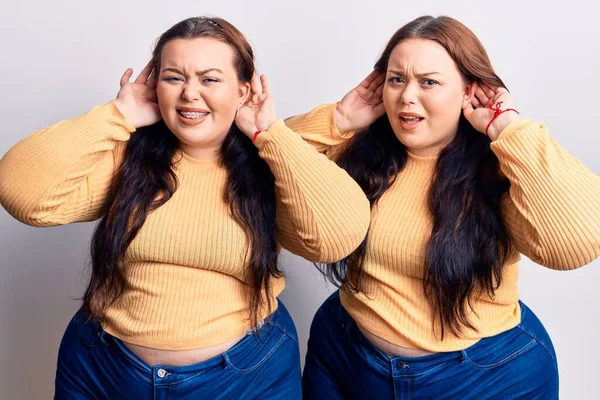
[423,74]
[203,72]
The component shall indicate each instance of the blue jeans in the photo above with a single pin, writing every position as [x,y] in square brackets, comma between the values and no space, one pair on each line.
[95,365]
[342,364]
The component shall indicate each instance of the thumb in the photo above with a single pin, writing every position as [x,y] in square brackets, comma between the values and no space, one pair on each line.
[468,111]
[126,76]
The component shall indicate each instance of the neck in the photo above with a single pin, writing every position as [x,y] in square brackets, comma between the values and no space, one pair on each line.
[201,153]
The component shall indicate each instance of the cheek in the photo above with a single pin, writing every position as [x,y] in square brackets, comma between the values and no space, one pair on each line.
[166,96]
[221,100]
[390,99]
[443,106]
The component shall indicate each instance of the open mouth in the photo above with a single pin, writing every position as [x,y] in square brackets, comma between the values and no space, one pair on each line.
[411,120]
[192,115]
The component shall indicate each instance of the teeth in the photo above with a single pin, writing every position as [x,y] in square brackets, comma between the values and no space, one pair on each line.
[411,120]
[193,114]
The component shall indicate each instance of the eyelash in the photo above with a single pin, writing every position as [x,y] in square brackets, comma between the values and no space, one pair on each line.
[176,78]
[395,80]
[432,80]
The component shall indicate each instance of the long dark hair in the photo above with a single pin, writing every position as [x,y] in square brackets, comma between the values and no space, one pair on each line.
[469,243]
[146,180]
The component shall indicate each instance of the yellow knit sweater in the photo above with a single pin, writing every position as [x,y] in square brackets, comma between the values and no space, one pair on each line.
[552,214]
[186,286]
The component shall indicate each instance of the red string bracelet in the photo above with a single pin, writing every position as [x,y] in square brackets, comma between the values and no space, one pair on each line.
[497,112]
[255,136]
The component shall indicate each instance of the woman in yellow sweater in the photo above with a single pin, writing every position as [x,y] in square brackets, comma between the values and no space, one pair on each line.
[193,209]
[460,183]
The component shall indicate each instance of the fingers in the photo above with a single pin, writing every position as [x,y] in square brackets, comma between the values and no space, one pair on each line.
[152,80]
[490,93]
[265,90]
[145,74]
[474,100]
[255,88]
[373,80]
[377,82]
[260,89]
[468,110]
[485,95]
[369,79]
[265,85]
[151,95]
[481,95]
[126,76]
[379,90]
[380,110]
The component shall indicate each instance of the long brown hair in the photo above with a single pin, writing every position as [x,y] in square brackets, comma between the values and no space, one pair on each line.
[469,243]
[146,180]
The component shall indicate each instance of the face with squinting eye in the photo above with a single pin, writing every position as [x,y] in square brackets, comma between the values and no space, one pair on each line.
[199,93]
[423,95]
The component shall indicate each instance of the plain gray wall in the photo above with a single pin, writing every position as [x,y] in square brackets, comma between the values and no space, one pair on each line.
[60,58]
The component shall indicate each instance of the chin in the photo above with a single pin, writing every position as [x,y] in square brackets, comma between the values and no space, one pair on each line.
[189,132]
[198,140]
[410,139]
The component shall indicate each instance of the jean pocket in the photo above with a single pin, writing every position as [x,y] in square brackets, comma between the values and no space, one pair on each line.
[330,319]
[89,331]
[253,351]
[498,350]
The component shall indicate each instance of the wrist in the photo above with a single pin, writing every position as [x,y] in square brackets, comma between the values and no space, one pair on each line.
[265,125]
[501,122]
[339,120]
[122,108]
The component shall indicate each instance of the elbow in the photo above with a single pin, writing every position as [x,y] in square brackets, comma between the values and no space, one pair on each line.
[587,252]
[27,216]
[25,209]
[13,198]
[338,243]
[569,255]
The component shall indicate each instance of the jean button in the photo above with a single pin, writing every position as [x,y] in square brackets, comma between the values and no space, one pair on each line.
[161,373]
[401,365]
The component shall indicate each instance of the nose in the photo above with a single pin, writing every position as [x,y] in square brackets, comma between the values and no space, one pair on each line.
[409,94]
[191,92]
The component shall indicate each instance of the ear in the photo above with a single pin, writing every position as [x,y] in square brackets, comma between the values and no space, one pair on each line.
[244,92]
[469,93]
